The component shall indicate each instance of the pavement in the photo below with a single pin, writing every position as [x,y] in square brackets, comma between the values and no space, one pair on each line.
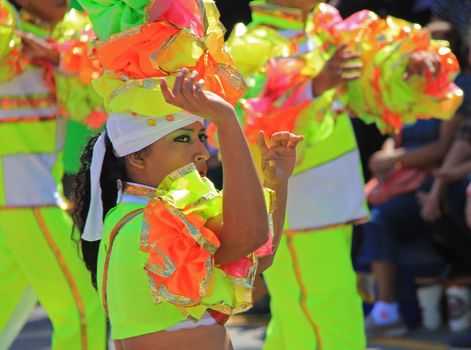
[246,333]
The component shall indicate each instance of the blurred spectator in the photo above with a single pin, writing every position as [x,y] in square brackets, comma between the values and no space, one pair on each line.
[401,218]
[397,219]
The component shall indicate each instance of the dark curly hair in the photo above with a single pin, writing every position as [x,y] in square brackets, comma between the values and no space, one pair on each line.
[114,169]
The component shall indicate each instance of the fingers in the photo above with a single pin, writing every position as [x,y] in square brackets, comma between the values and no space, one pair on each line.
[185,94]
[188,86]
[177,87]
[168,95]
[422,62]
[261,143]
[343,54]
[340,51]
[199,92]
[341,66]
[351,67]
[351,77]
[285,139]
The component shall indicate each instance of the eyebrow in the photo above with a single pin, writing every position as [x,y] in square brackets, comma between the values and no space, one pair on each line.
[192,129]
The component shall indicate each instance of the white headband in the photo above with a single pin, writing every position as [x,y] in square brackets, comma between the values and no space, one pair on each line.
[128,134]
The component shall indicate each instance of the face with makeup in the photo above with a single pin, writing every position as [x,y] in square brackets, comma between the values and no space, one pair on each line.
[175,150]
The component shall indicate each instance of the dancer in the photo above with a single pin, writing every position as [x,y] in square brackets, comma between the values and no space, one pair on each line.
[171,256]
[304,71]
[38,257]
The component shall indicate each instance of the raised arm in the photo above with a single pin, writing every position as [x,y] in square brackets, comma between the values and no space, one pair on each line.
[244,224]
[278,157]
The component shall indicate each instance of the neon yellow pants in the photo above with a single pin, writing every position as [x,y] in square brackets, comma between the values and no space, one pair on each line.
[314,299]
[37,252]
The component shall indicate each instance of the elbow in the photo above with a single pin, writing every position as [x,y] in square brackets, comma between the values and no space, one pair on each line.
[255,239]
[264,263]
[241,243]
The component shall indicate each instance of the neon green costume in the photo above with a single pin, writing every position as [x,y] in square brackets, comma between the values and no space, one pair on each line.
[155,264]
[36,248]
[314,299]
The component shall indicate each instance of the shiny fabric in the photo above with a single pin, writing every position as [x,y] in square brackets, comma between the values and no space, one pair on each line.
[71,83]
[382,95]
[169,36]
[37,252]
[76,98]
[13,60]
[310,309]
[168,251]
[181,249]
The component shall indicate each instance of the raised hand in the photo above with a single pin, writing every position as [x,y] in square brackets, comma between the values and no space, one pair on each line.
[38,49]
[278,156]
[338,69]
[422,62]
[190,96]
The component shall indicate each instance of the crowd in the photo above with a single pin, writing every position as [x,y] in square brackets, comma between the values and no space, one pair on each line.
[341,137]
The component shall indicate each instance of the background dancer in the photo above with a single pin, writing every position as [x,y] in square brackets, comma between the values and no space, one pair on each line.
[38,257]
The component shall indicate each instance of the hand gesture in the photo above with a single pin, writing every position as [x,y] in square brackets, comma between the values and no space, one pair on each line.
[190,96]
[336,70]
[421,62]
[278,156]
[39,49]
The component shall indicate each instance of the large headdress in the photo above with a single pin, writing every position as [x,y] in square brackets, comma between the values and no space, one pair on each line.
[143,40]
[140,42]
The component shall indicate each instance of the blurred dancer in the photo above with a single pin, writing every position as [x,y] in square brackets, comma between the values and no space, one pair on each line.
[299,67]
[38,258]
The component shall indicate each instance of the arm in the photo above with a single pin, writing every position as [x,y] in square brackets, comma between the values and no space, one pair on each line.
[382,162]
[433,152]
[244,225]
[453,168]
[281,192]
[278,162]
[338,69]
[245,221]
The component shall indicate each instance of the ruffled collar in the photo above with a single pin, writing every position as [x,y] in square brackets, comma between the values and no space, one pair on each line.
[184,189]
[277,16]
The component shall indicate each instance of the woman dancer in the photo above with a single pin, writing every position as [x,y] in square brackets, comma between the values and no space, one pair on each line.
[176,258]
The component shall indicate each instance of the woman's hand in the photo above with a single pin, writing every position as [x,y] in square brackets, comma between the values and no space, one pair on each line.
[338,69]
[39,49]
[278,156]
[190,96]
[422,62]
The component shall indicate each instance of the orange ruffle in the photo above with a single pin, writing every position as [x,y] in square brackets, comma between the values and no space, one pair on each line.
[75,59]
[135,55]
[179,260]
[161,49]
[271,112]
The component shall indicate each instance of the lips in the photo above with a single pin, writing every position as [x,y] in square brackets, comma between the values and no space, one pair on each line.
[202,170]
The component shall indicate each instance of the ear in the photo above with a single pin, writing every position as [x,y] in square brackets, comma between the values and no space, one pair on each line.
[136,159]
